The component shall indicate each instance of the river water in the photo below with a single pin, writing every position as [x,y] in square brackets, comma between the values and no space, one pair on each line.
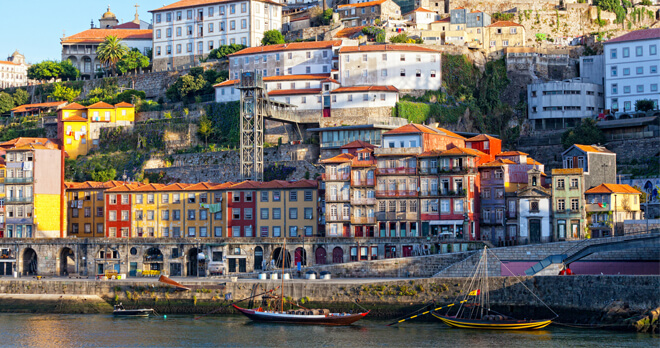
[51,330]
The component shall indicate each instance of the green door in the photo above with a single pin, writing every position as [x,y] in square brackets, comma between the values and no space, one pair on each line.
[535,231]
[132,272]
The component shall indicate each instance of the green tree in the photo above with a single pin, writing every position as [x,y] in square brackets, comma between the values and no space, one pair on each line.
[6,102]
[327,16]
[225,50]
[205,128]
[644,105]
[272,37]
[133,60]
[20,97]
[401,38]
[103,175]
[130,96]
[647,3]
[61,92]
[585,133]
[111,51]
[45,71]
[68,71]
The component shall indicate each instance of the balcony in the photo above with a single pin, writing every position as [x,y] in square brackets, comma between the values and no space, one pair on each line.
[362,182]
[389,216]
[336,177]
[396,171]
[19,180]
[9,200]
[337,218]
[397,193]
[428,170]
[363,201]
[398,151]
[457,170]
[337,198]
[363,220]
[428,193]
[459,193]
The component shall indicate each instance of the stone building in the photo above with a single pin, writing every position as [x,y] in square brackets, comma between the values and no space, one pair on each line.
[563,104]
[368,13]
[598,163]
[3,170]
[420,18]
[187,30]
[503,34]
[467,28]
[437,6]
[81,48]
[534,211]
[13,71]
[568,212]
[33,186]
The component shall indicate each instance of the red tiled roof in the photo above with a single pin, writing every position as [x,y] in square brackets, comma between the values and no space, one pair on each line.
[444,20]
[191,3]
[93,185]
[299,19]
[127,25]
[99,35]
[592,148]
[341,158]
[637,35]
[459,151]
[329,79]
[8,62]
[481,137]
[101,105]
[21,142]
[226,83]
[430,153]
[512,153]
[201,186]
[246,185]
[504,24]
[362,4]
[498,163]
[25,107]
[532,161]
[358,144]
[175,187]
[295,91]
[612,188]
[412,128]
[288,47]
[565,171]
[75,118]
[419,9]
[450,133]
[365,89]
[385,47]
[349,32]
[74,106]
[124,105]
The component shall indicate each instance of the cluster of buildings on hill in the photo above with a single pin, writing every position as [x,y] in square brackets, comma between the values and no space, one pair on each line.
[425,189]
[13,71]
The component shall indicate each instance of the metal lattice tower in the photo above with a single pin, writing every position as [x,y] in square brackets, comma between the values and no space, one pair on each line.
[253,110]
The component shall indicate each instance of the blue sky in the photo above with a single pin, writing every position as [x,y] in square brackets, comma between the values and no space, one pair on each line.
[35,27]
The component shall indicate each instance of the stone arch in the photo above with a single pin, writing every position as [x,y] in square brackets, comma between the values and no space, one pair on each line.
[30,262]
[86,65]
[321,256]
[258,258]
[74,61]
[67,262]
[337,255]
[300,255]
[153,260]
[277,257]
[192,264]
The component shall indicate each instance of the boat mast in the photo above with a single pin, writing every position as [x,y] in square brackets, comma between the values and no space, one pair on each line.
[283,262]
[486,295]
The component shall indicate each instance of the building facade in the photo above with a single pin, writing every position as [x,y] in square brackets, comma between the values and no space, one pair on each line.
[631,70]
[569,218]
[13,71]
[598,164]
[368,13]
[608,205]
[185,31]
[85,206]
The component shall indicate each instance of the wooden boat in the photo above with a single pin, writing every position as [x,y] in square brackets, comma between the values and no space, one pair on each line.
[301,316]
[166,280]
[120,311]
[474,312]
[308,317]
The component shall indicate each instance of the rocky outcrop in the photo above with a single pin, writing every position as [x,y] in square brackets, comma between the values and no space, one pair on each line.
[620,315]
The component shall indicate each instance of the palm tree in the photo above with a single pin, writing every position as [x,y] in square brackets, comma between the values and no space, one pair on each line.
[111,51]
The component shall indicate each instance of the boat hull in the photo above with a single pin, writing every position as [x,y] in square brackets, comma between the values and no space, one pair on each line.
[493,325]
[271,317]
[133,312]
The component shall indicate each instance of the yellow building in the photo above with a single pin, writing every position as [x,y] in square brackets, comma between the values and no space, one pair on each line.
[503,34]
[608,206]
[34,189]
[287,209]
[79,127]
[85,206]
[2,197]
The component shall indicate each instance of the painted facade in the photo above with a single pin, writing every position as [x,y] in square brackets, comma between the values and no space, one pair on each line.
[568,206]
[608,205]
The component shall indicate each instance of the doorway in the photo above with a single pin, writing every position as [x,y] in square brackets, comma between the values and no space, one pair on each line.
[320,256]
[30,262]
[258,258]
[535,231]
[67,262]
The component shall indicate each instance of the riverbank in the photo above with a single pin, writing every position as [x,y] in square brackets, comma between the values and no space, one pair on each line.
[578,299]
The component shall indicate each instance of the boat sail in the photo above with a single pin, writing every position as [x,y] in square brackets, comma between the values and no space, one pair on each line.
[474,312]
[300,316]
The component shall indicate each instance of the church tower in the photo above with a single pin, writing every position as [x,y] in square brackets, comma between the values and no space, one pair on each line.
[108,21]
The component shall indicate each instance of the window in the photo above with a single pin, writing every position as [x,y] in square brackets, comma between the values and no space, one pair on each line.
[626,89]
[639,51]
[403,58]
[165,215]
[191,232]
[217,231]
[112,215]
[236,213]
[653,69]
[534,206]
[247,213]
[613,53]
[277,213]
[88,212]
[124,215]
[505,42]
[639,70]
[560,184]
[654,87]
[99,211]
[418,73]
[365,97]
[615,88]
[403,72]
[613,71]
[264,213]
[309,213]
[158,18]
[653,50]
[626,52]
[293,213]
[575,204]
[561,204]
[432,73]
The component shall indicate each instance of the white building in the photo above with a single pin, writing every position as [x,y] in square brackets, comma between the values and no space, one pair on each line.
[81,48]
[561,104]
[420,18]
[406,67]
[189,29]
[631,70]
[591,69]
[13,71]
[534,223]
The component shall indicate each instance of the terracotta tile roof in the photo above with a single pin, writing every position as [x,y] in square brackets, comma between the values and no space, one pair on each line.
[419,9]
[329,79]
[341,158]
[498,163]
[22,142]
[365,89]
[299,19]
[362,4]
[93,185]
[613,188]
[412,128]
[565,171]
[637,35]
[349,32]
[74,106]
[481,137]
[386,47]
[25,107]
[296,77]
[127,25]
[288,47]
[201,186]
[175,187]
[289,184]
[444,20]
[246,185]
[295,91]
[75,118]
[358,144]
[226,83]
[137,187]
[592,148]
[532,161]
[459,151]
[365,150]
[124,105]
[450,133]
[512,153]
[101,105]
[504,24]
[99,35]
[7,62]
[430,153]
[224,185]
[192,3]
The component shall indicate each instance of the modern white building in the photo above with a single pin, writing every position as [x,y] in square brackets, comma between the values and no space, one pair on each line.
[561,104]
[631,70]
[189,29]
[13,71]
[409,68]
[591,69]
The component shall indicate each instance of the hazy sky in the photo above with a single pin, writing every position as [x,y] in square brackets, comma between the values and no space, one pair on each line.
[35,27]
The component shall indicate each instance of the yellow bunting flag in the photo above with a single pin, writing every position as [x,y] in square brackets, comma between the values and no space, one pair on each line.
[475,292]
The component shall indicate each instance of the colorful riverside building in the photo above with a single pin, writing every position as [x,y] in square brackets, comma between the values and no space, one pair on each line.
[608,205]
[85,206]
[33,188]
[2,197]
[79,127]
[568,208]
[423,182]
